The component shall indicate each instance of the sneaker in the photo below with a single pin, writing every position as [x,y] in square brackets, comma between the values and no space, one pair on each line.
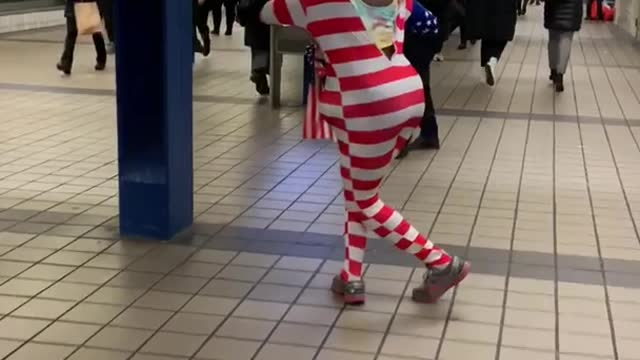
[352,291]
[490,71]
[438,57]
[111,48]
[438,282]
[64,69]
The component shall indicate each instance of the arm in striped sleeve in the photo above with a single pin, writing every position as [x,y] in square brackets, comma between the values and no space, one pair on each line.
[284,12]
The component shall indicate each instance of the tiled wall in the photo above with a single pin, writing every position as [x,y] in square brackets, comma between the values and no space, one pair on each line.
[34,20]
[627,13]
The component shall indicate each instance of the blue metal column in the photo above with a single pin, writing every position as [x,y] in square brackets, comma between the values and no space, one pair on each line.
[155,136]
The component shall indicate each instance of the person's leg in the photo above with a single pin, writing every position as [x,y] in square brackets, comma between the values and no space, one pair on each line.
[553,54]
[230,14]
[107,16]
[485,51]
[600,10]
[101,51]
[201,23]
[259,70]
[363,167]
[216,11]
[564,54]
[429,124]
[66,60]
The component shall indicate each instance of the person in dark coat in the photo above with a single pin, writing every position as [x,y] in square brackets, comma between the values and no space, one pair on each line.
[66,60]
[257,37]
[230,15]
[493,22]
[562,18]
[200,13]
[106,11]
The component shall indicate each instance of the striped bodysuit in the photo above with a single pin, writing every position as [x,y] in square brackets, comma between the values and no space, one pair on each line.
[374,104]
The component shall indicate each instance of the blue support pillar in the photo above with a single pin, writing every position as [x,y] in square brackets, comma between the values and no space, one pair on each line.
[155,136]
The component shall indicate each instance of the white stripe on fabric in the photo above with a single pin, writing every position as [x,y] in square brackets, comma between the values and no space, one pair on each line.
[384,121]
[330,11]
[381,92]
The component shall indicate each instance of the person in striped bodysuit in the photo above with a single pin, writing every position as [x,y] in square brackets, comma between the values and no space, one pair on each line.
[373,100]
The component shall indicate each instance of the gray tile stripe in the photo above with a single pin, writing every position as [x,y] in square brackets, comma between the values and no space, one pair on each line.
[251,101]
[527,264]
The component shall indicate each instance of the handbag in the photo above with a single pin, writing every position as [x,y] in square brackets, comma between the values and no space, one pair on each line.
[313,126]
[88,19]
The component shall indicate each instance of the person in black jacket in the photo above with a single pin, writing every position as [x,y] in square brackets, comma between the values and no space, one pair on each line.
[230,15]
[257,37]
[200,11]
[493,22]
[66,60]
[562,18]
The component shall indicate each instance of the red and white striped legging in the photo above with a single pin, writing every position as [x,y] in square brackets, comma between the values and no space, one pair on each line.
[363,168]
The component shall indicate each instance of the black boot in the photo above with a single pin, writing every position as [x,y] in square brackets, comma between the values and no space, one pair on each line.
[261,82]
[65,68]
[553,75]
[559,83]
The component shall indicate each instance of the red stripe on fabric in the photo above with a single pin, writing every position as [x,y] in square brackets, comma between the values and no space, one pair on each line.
[333,121]
[382,232]
[403,244]
[386,106]
[363,185]
[281,11]
[349,196]
[402,228]
[353,53]
[356,217]
[383,215]
[335,26]
[357,241]
[377,78]
[330,97]
[363,204]
[373,137]
[371,163]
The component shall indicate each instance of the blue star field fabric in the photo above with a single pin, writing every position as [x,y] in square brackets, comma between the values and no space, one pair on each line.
[421,22]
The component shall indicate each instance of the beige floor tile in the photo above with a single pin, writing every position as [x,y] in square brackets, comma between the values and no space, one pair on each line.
[411,325]
[454,350]
[530,319]
[93,313]
[328,354]
[277,352]
[361,320]
[211,305]
[586,344]
[473,332]
[119,338]
[311,315]
[354,340]
[32,351]
[529,338]
[299,334]
[261,310]
[228,349]
[525,354]
[44,309]
[417,347]
[142,318]
[13,328]
[246,329]
[99,354]
[168,343]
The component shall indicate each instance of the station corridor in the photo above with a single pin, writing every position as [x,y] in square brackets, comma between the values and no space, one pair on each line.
[541,191]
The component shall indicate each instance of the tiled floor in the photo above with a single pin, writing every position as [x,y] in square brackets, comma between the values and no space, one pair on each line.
[539,190]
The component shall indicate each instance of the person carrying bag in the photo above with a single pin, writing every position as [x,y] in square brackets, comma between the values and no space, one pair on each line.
[83,17]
